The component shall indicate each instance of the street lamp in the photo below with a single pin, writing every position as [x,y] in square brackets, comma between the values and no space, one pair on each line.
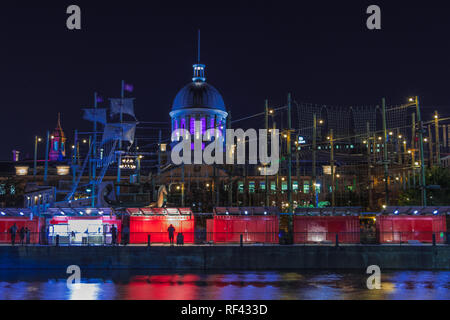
[415,101]
[314,149]
[36,140]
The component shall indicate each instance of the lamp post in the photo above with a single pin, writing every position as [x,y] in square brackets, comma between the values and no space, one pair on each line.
[289,153]
[369,164]
[46,156]
[423,186]
[266,122]
[314,150]
[333,202]
[36,140]
[385,153]
[138,169]
[437,138]
[314,147]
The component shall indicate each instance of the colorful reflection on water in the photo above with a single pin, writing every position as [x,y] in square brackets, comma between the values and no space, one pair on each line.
[114,285]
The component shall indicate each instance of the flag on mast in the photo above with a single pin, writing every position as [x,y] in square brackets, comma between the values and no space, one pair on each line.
[128,87]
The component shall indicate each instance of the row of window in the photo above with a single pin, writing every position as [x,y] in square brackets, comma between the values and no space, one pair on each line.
[180,123]
[307,186]
[329,147]
[34,200]
[4,190]
[273,186]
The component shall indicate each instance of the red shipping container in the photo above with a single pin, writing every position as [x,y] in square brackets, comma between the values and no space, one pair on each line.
[33,225]
[156,227]
[313,229]
[400,229]
[228,229]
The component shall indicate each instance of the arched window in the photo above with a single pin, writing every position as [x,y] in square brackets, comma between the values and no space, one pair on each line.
[192,125]
[203,120]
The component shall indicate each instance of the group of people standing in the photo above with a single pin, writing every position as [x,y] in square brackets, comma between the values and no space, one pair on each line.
[24,234]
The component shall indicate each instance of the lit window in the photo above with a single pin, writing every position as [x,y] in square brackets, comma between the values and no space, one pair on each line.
[251,186]
[273,186]
[241,186]
[192,125]
[203,125]
[306,187]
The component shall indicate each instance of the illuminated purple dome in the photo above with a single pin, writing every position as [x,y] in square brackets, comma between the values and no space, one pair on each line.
[198,101]
[198,94]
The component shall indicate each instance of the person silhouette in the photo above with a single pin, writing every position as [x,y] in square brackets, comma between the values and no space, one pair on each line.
[22,235]
[13,231]
[171,231]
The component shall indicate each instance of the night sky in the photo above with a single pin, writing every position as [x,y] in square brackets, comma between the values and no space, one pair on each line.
[321,51]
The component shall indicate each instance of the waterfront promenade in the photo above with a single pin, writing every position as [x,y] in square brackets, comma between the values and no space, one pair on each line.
[227,257]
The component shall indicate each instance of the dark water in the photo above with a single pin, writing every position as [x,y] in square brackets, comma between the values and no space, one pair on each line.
[111,285]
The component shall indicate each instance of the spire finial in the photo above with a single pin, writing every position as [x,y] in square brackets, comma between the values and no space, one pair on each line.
[59,120]
[198,47]
[199,69]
